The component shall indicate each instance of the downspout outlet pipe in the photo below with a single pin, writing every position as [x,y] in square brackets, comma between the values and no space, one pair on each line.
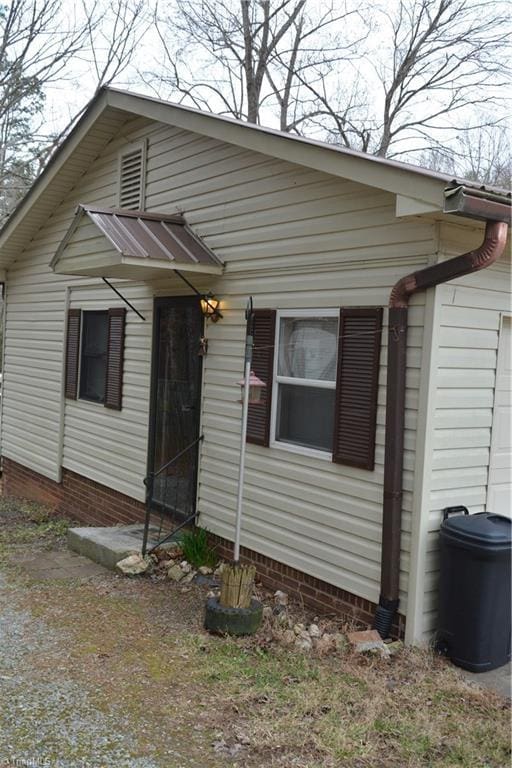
[489,251]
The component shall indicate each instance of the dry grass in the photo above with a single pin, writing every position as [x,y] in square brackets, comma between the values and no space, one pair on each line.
[140,647]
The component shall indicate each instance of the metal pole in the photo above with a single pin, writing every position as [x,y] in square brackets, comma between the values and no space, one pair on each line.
[245,411]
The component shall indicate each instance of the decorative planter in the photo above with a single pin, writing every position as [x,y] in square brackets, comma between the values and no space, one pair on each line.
[232,621]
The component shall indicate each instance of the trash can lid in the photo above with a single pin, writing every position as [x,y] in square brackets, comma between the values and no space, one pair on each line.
[483,527]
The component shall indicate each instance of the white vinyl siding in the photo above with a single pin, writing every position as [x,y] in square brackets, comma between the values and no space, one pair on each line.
[293,239]
[469,316]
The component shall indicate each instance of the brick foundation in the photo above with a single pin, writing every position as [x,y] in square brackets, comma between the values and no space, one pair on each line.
[89,502]
[315,594]
[76,497]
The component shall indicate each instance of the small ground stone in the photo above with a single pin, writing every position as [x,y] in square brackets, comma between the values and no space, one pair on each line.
[303,643]
[280,598]
[133,565]
[314,630]
[175,573]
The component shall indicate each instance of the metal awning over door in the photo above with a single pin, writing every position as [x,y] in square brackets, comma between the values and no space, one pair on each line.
[103,242]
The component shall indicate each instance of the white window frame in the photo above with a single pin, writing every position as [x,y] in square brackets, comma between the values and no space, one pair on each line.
[277,380]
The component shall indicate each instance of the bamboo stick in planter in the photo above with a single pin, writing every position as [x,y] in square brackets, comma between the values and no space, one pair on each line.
[237,586]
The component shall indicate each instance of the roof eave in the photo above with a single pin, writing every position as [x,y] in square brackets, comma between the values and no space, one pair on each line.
[364,169]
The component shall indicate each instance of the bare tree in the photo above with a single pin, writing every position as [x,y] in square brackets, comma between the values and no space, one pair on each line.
[42,43]
[426,67]
[481,154]
[250,58]
[446,55]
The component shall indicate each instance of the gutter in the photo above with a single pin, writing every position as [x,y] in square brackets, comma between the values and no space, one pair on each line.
[496,214]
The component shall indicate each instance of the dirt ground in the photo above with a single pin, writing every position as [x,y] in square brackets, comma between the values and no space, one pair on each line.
[97,670]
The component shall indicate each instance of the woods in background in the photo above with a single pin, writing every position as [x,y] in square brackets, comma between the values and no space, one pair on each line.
[418,80]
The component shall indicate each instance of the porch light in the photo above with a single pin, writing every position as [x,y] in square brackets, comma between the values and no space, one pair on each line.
[210,307]
[255,389]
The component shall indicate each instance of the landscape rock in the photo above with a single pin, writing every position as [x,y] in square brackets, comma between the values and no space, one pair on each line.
[185,567]
[188,577]
[218,571]
[303,643]
[133,565]
[205,570]
[314,631]
[280,598]
[288,637]
[394,648]
[299,629]
[175,573]
[282,619]
[368,641]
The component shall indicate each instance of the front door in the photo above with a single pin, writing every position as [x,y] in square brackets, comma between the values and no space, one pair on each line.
[175,403]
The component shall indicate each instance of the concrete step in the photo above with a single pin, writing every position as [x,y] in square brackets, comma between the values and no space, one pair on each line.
[107,546]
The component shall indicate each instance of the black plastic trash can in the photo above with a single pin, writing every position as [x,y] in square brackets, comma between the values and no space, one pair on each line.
[474,591]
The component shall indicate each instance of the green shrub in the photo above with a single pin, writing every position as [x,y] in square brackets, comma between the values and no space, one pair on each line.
[196,549]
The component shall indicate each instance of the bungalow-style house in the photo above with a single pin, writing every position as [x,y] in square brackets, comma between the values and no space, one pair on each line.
[386,399]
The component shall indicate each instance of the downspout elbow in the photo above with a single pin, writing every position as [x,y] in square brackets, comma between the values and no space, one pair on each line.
[482,257]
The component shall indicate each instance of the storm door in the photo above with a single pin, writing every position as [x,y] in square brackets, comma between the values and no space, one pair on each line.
[175,404]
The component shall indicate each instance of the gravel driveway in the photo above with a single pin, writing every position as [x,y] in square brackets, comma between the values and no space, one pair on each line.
[101,671]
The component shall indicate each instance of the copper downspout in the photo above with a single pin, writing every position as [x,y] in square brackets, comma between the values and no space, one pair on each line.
[482,257]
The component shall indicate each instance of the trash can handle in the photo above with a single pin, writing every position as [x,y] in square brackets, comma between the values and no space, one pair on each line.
[455,510]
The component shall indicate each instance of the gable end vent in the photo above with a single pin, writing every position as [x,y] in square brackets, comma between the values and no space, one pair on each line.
[132,178]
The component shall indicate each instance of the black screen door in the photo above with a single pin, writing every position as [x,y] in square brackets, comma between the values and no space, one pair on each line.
[175,403]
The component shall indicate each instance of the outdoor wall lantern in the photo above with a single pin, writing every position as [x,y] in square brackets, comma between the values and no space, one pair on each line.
[256,387]
[210,307]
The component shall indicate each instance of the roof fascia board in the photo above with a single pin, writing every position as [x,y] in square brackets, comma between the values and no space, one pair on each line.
[364,170]
[67,238]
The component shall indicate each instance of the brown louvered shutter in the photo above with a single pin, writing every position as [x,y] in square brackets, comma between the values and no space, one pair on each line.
[258,420]
[356,386]
[115,358]
[72,353]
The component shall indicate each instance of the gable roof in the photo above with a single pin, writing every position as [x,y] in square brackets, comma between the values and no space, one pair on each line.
[112,107]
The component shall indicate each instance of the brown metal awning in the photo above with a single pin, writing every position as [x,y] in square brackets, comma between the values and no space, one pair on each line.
[103,242]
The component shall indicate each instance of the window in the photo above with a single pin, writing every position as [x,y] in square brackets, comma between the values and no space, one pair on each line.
[322,373]
[93,356]
[94,362]
[305,378]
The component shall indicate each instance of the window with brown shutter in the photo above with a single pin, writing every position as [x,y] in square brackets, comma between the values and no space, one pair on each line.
[95,356]
[72,353]
[115,358]
[325,377]
[258,420]
[356,386]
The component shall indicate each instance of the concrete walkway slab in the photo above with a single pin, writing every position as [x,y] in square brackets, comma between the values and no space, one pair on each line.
[107,546]
[497,680]
[47,566]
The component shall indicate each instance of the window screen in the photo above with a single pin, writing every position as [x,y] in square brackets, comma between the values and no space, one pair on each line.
[93,367]
[306,381]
